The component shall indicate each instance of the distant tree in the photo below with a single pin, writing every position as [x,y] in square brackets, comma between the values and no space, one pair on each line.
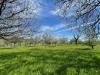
[76,38]
[86,13]
[47,38]
[37,39]
[15,40]
[91,35]
[63,40]
[76,35]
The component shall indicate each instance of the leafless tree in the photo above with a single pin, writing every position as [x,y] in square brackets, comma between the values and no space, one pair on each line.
[86,12]
[76,38]
[37,39]
[63,40]
[13,17]
[77,34]
[15,41]
[47,38]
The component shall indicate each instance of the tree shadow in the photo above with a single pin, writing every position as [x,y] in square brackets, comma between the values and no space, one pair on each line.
[6,48]
[83,48]
[62,61]
[73,61]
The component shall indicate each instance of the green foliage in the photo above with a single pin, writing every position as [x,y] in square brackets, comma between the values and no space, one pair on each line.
[46,60]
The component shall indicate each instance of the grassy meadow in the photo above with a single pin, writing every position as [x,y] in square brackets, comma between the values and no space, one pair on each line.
[50,60]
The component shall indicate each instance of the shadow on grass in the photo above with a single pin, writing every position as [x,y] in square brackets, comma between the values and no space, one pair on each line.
[6,48]
[83,49]
[62,61]
[79,63]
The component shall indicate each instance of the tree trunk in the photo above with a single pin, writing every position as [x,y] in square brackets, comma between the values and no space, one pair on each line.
[76,41]
[92,46]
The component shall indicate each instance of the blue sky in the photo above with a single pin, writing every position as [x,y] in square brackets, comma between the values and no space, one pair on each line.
[49,21]
[50,18]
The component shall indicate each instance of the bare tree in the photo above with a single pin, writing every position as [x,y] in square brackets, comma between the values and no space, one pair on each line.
[87,14]
[13,17]
[37,39]
[91,35]
[15,41]
[63,40]
[47,38]
[77,34]
[76,38]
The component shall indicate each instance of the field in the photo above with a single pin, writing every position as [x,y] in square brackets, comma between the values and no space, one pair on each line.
[49,60]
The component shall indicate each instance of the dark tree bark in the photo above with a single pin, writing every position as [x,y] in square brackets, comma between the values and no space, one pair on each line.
[13,20]
[76,38]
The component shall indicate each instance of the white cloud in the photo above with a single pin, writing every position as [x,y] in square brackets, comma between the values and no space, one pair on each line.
[56,12]
[45,28]
[61,27]
[53,28]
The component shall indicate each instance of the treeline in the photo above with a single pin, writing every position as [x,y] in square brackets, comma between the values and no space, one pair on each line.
[46,40]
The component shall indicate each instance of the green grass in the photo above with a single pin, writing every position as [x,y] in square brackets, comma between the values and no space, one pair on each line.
[47,60]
